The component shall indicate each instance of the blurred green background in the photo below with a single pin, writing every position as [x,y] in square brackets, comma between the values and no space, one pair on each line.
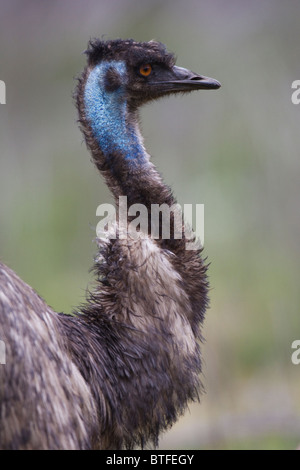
[235,150]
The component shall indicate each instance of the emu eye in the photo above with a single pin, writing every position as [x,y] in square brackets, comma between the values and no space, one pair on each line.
[145,70]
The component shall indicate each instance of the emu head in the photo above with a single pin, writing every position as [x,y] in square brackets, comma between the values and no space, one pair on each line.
[140,72]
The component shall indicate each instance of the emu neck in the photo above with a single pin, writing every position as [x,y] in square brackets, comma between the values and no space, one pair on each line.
[111,122]
[117,145]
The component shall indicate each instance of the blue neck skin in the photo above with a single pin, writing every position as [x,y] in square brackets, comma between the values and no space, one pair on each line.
[107,113]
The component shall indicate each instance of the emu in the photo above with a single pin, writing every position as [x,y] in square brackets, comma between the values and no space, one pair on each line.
[123,368]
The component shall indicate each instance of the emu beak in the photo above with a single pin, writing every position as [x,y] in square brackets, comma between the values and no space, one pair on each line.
[188,80]
[181,79]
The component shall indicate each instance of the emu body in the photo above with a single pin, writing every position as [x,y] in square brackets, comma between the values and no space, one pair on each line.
[125,366]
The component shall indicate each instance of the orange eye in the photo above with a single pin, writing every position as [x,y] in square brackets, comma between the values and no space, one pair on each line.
[145,70]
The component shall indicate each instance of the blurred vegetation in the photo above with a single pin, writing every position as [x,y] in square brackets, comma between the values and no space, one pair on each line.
[235,150]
